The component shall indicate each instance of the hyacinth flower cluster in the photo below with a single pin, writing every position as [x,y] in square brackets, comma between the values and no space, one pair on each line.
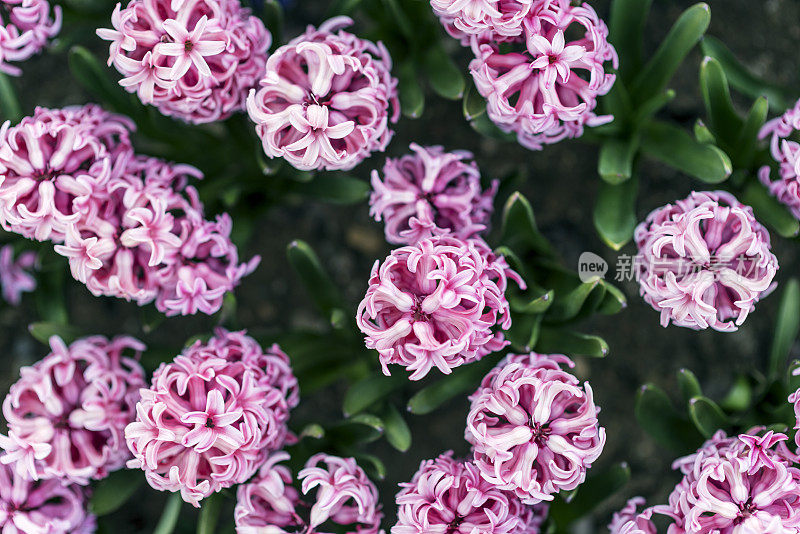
[212,416]
[67,413]
[343,497]
[449,496]
[732,485]
[15,274]
[704,261]
[130,225]
[26,26]
[786,152]
[192,59]
[537,84]
[533,427]
[428,189]
[326,99]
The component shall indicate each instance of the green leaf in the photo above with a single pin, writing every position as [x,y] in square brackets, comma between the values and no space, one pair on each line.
[769,210]
[114,491]
[484,126]
[373,465]
[739,396]
[723,119]
[688,385]
[412,97]
[272,15]
[463,380]
[397,432]
[742,79]
[337,188]
[400,20]
[519,230]
[524,303]
[445,77]
[707,416]
[658,417]
[95,78]
[702,133]
[43,331]
[474,104]
[569,301]
[524,331]
[682,37]
[615,164]
[614,300]
[614,213]
[169,517]
[649,108]
[748,137]
[316,281]
[599,486]
[367,392]
[209,514]
[787,326]
[10,108]
[314,431]
[559,341]
[342,7]
[676,148]
[626,27]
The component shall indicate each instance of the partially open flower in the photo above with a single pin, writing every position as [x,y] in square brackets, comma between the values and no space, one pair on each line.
[629,521]
[26,26]
[786,152]
[325,100]
[43,507]
[344,496]
[431,187]
[495,20]
[192,59]
[546,88]
[212,416]
[15,274]
[533,428]
[704,261]
[67,413]
[448,496]
[438,303]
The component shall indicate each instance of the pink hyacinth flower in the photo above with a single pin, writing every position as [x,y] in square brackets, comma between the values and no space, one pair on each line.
[546,88]
[438,303]
[786,152]
[794,398]
[495,20]
[211,417]
[325,100]
[192,59]
[344,496]
[26,26]
[43,507]
[431,188]
[533,428]
[629,521]
[704,261]
[67,413]
[15,274]
[448,496]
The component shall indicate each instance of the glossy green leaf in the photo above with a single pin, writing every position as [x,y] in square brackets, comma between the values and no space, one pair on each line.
[519,230]
[10,108]
[113,491]
[615,164]
[314,431]
[397,432]
[599,486]
[337,188]
[444,75]
[367,392]
[615,212]
[787,326]
[524,331]
[373,465]
[739,396]
[316,281]
[526,303]
[400,19]
[673,146]
[658,417]
[273,17]
[614,300]
[688,385]
[743,80]
[169,517]
[43,331]
[769,210]
[707,416]
[361,428]
[463,380]
[748,137]
[682,37]
[412,97]
[569,301]
[209,514]
[560,341]
[653,105]
[702,133]
[474,105]
[626,27]
[722,117]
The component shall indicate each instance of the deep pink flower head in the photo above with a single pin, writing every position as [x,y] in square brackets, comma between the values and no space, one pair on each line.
[212,416]
[192,59]
[67,413]
[431,188]
[448,496]
[436,303]
[547,89]
[42,507]
[533,428]
[26,26]
[493,20]
[15,274]
[704,261]
[786,152]
[629,521]
[325,100]
[344,496]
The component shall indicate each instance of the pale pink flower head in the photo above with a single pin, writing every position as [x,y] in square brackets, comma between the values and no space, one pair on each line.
[431,188]
[547,88]
[533,427]
[439,303]
[449,496]
[42,507]
[15,273]
[786,152]
[67,413]
[629,521]
[343,496]
[211,417]
[704,261]
[495,20]
[192,59]
[26,26]
[326,99]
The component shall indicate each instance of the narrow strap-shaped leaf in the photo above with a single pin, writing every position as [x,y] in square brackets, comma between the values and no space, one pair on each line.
[626,33]
[463,380]
[614,300]
[337,188]
[615,164]
[739,396]
[658,417]
[272,15]
[114,491]
[649,108]
[412,97]
[209,514]
[702,133]
[397,432]
[707,416]
[169,517]
[676,148]
[43,331]
[94,77]
[748,137]
[400,19]
[615,214]
[769,210]
[723,119]
[367,392]
[313,430]
[372,465]
[342,7]
[568,302]
[361,428]
[536,303]
[474,105]
[444,75]
[520,231]
[10,108]
[560,341]
[787,326]
[688,385]
[599,486]
[316,281]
